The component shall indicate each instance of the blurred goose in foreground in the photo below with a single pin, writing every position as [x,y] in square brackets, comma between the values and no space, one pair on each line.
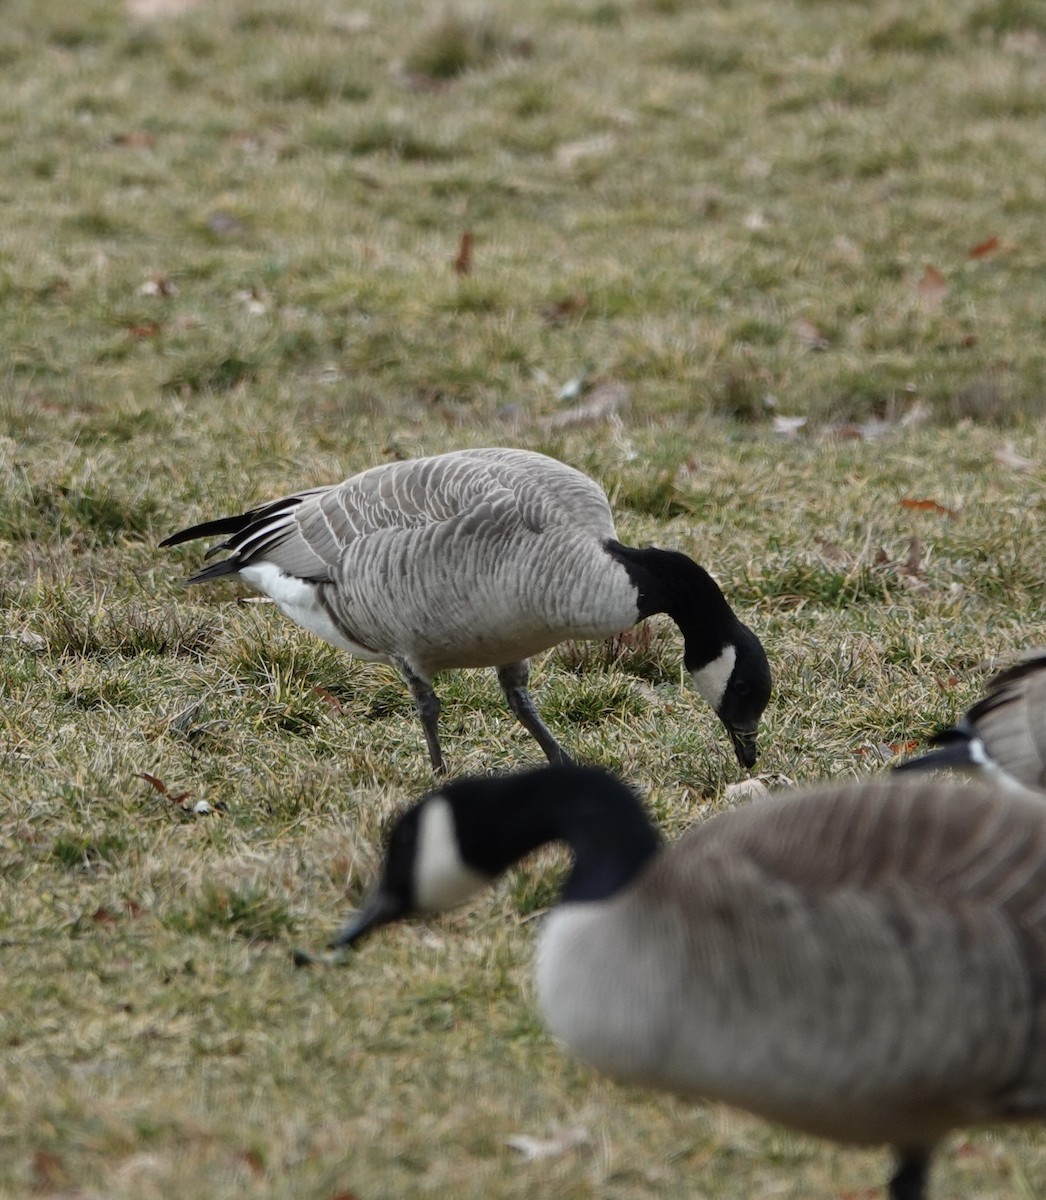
[863,962]
[1003,736]
[482,558]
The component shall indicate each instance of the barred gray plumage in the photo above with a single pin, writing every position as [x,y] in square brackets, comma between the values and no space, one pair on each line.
[482,558]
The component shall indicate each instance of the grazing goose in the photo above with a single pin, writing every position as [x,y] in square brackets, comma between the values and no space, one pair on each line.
[864,962]
[1003,736]
[482,558]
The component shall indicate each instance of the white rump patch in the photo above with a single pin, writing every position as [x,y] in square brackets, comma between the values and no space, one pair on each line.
[441,878]
[296,598]
[711,679]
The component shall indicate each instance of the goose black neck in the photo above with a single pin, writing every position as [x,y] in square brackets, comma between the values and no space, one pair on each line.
[668,581]
[499,821]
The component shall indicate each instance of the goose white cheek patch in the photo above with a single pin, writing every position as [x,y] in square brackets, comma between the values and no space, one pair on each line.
[711,679]
[441,878]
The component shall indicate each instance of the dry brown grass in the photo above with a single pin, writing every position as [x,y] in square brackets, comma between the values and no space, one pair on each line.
[226,271]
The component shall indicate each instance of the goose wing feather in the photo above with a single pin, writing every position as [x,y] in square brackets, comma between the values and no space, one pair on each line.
[310,534]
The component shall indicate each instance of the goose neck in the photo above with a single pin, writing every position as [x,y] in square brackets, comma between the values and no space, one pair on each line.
[595,815]
[670,582]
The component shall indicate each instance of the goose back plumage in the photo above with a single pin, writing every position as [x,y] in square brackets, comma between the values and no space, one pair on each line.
[422,559]
[865,964]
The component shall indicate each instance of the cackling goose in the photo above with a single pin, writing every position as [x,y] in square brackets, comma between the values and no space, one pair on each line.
[482,558]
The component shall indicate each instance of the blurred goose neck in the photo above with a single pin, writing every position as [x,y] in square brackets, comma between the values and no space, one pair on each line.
[600,820]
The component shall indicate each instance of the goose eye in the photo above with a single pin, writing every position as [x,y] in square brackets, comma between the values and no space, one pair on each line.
[741,688]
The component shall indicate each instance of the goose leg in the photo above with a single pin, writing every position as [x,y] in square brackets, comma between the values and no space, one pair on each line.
[427,704]
[513,678]
[909,1180]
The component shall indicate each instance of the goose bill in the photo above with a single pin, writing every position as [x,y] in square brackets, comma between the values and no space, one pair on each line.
[378,909]
[745,747]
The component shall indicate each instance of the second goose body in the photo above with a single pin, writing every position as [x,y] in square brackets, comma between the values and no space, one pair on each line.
[482,558]
[1002,737]
[865,963]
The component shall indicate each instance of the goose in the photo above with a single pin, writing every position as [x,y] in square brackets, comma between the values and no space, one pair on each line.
[1003,736]
[482,558]
[864,962]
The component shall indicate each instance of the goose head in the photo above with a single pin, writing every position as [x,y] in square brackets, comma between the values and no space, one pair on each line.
[456,840]
[725,660]
[736,683]
[424,871]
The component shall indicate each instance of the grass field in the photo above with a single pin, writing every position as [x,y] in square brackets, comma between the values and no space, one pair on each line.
[772,271]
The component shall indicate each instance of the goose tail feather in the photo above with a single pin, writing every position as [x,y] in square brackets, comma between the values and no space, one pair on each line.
[218,570]
[217,528]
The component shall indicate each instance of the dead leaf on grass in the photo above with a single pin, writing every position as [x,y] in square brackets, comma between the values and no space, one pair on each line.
[561,311]
[158,285]
[917,413]
[983,249]
[831,553]
[49,1172]
[34,641]
[933,506]
[329,698]
[744,790]
[161,787]
[787,427]
[810,336]
[463,262]
[571,152]
[864,431]
[135,139]
[877,751]
[913,563]
[576,386]
[252,1160]
[144,329]
[604,402]
[975,1150]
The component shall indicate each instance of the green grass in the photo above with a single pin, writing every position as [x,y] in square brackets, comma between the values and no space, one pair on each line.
[226,271]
